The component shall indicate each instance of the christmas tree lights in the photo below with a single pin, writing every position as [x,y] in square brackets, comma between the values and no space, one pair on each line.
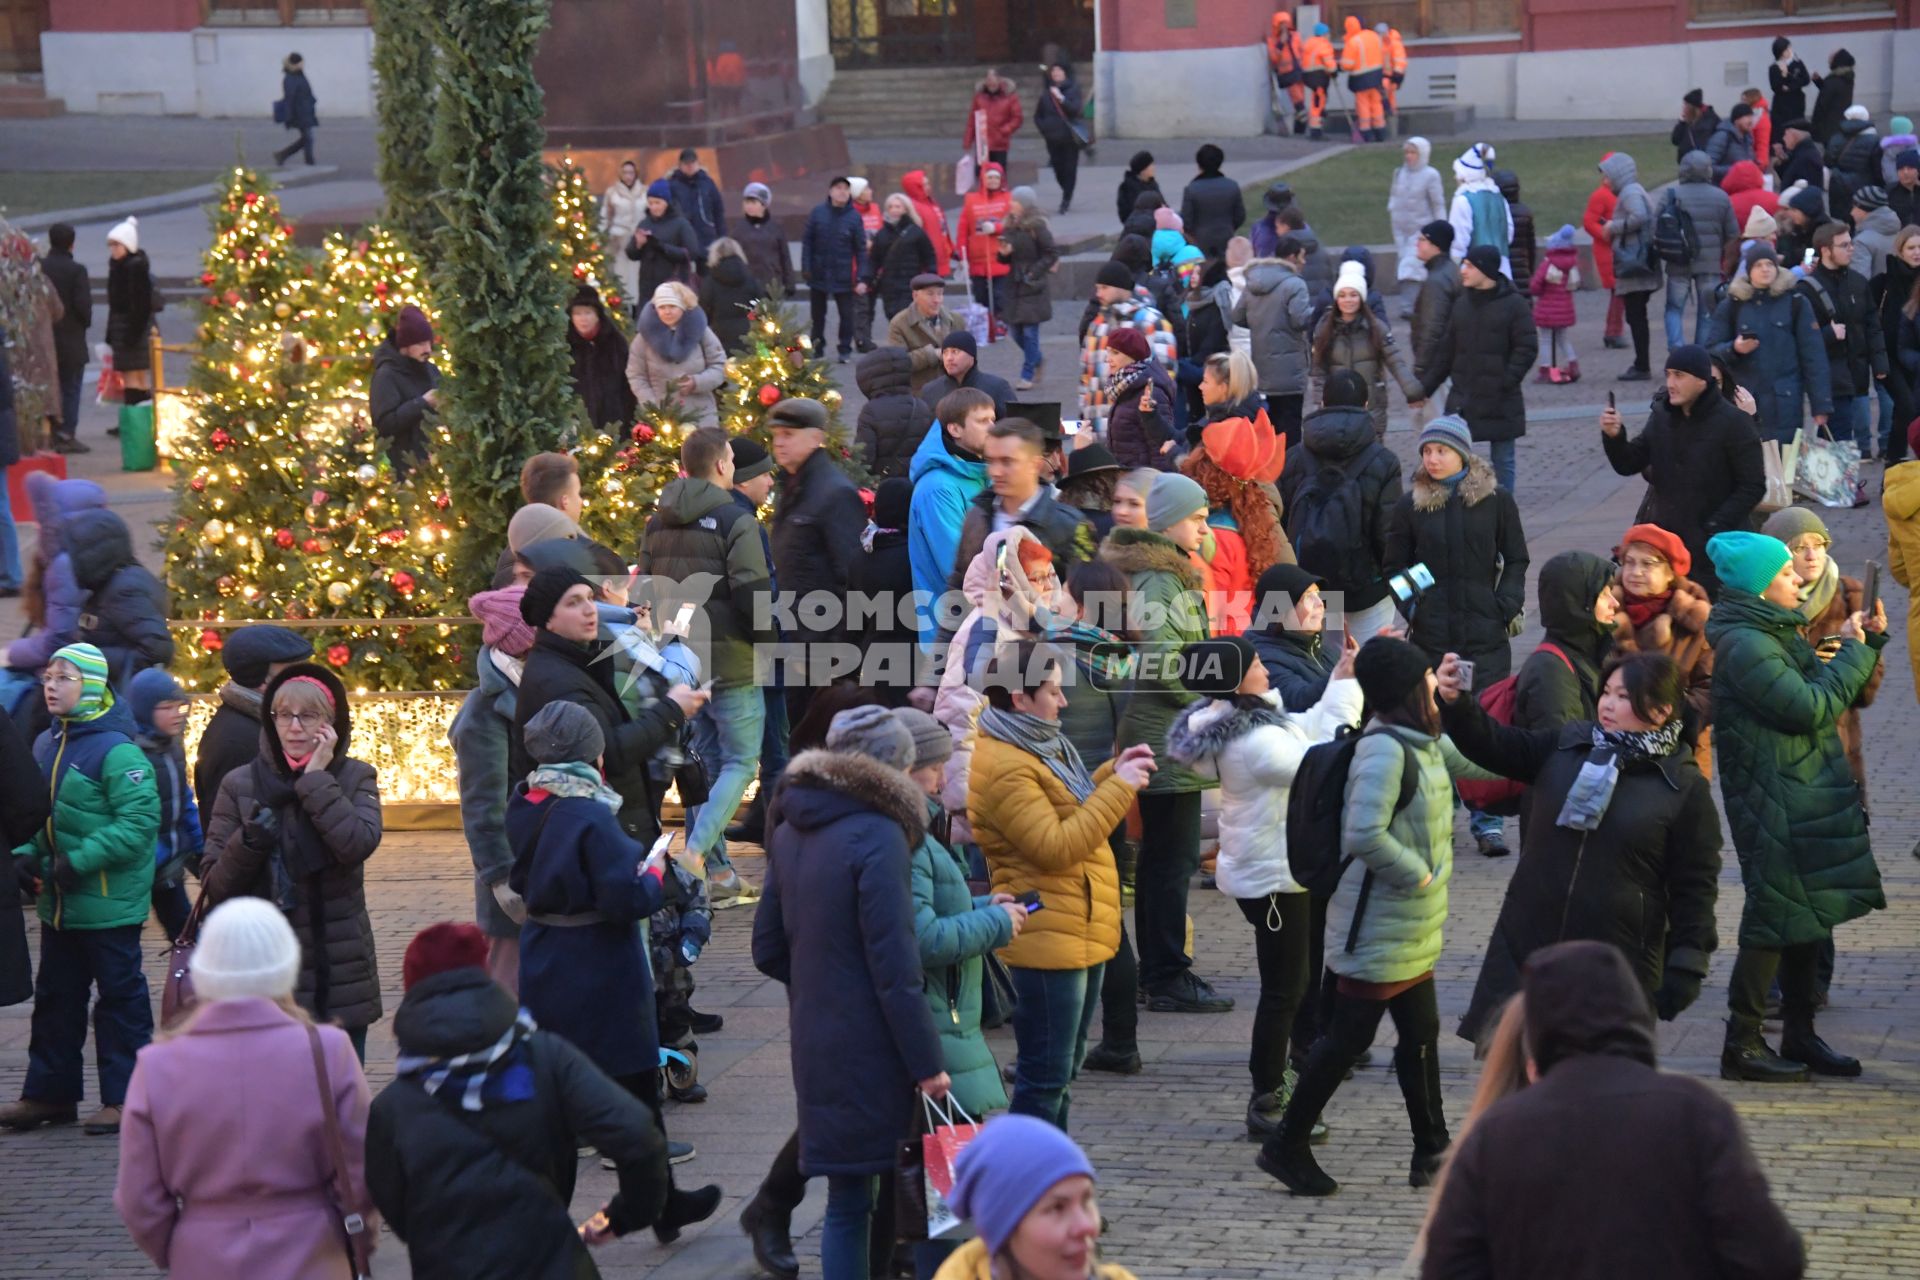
[579,249]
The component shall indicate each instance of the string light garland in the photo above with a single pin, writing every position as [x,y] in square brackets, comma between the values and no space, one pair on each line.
[403,736]
[579,249]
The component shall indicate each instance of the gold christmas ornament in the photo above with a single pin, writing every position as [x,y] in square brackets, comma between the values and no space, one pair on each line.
[338,593]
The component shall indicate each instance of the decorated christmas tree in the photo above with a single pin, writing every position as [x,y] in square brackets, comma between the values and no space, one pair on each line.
[579,250]
[621,477]
[776,362]
[366,279]
[284,507]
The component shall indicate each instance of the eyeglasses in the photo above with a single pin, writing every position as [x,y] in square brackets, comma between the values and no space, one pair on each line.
[299,719]
[1807,546]
[49,681]
[1635,562]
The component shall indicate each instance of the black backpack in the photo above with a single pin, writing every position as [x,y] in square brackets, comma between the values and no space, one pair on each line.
[1314,804]
[1327,524]
[1674,239]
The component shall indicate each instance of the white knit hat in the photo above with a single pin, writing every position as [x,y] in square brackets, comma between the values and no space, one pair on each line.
[1857,111]
[128,234]
[1352,276]
[246,948]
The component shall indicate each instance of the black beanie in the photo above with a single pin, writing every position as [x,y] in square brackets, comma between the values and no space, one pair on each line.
[1389,670]
[1345,388]
[1693,360]
[544,592]
[891,502]
[1440,232]
[1780,45]
[1214,668]
[1115,274]
[1486,260]
[1288,581]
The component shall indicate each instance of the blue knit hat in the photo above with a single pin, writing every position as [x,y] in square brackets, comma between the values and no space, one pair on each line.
[1006,1169]
[1561,239]
[660,189]
[148,690]
[1451,430]
[1748,561]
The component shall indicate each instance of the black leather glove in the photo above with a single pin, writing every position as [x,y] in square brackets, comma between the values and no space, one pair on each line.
[262,830]
[1678,990]
[63,872]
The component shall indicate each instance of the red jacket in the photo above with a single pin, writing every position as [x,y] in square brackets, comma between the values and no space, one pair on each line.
[1599,213]
[1003,116]
[932,220]
[1743,184]
[983,214]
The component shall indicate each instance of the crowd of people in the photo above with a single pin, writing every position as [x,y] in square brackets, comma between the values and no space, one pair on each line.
[1020,690]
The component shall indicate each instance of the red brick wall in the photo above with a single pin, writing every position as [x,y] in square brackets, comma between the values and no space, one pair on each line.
[123,15]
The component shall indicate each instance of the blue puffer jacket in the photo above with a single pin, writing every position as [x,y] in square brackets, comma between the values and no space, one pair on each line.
[55,502]
[181,839]
[1789,365]
[833,247]
[944,486]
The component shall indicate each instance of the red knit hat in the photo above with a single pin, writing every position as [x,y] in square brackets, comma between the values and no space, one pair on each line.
[1129,342]
[1667,544]
[441,947]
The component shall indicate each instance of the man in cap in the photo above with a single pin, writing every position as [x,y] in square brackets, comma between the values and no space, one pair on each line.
[697,198]
[922,327]
[817,522]
[753,473]
[1696,125]
[1122,305]
[252,655]
[959,360]
[1701,456]
[1490,348]
[1803,160]
[1433,307]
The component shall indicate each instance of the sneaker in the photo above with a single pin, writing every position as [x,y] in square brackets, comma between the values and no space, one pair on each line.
[66,444]
[1023,384]
[1188,993]
[1115,1061]
[679,1152]
[734,890]
[1636,374]
[30,1113]
[106,1121]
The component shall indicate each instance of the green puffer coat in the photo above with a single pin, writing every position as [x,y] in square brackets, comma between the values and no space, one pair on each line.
[1167,604]
[1792,802]
[106,819]
[956,931]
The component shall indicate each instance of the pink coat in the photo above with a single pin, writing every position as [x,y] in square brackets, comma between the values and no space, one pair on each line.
[1553,302]
[223,1152]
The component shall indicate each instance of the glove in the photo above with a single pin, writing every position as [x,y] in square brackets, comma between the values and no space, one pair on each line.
[26,877]
[1516,624]
[262,830]
[1678,990]
[63,873]
[510,902]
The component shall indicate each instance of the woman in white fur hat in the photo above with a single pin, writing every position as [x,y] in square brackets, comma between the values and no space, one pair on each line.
[130,309]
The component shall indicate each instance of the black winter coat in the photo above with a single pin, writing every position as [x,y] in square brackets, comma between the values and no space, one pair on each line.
[1299,664]
[1705,472]
[899,252]
[980,380]
[672,252]
[230,740]
[129,311]
[1830,107]
[126,611]
[767,255]
[1789,85]
[835,926]
[1805,163]
[1853,362]
[1469,536]
[1131,187]
[76,297]
[1134,436]
[833,247]
[884,573]
[893,421]
[1644,880]
[1549,692]
[1064,529]
[1853,162]
[727,293]
[1667,1187]
[485,1195]
[600,374]
[698,201]
[1213,209]
[1055,120]
[1490,349]
[1693,135]
[558,670]
[1340,443]
[1433,312]
[818,518]
[22,812]
[397,402]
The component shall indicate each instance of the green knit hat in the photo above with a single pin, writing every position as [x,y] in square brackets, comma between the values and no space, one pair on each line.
[1748,561]
[95,697]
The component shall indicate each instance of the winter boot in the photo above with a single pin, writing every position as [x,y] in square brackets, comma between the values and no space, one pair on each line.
[1287,1157]
[1315,135]
[684,1208]
[770,1230]
[1799,1043]
[1418,1069]
[1119,1060]
[1745,1056]
[1545,374]
[1573,371]
[752,826]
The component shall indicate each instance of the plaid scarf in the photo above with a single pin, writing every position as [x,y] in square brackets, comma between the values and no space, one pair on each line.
[1099,653]
[498,1073]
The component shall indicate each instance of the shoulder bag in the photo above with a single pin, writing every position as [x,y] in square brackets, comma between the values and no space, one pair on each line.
[176,995]
[359,1238]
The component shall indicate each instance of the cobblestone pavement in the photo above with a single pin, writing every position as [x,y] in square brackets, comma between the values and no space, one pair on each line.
[1178,1181]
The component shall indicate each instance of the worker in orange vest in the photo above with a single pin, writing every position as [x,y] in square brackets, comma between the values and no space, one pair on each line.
[1283,59]
[1396,65]
[1364,58]
[1317,69]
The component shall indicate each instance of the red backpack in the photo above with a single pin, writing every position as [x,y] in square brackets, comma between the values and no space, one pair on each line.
[1501,795]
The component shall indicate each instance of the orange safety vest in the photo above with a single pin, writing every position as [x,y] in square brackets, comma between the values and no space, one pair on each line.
[1283,49]
[1361,52]
[1317,55]
[1396,52]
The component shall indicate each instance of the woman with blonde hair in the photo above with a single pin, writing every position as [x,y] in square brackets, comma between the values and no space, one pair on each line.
[1229,388]
[728,292]
[676,353]
[227,1162]
[900,251]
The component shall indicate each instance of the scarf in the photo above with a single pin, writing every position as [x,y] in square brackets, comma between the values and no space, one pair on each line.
[1102,654]
[1042,738]
[871,532]
[574,779]
[498,1073]
[1128,378]
[1644,609]
[1592,790]
[1817,595]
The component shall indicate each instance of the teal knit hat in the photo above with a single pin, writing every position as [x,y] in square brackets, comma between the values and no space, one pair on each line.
[95,697]
[1748,561]
[1172,499]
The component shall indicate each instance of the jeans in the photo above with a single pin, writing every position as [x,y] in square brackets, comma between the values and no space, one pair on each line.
[1504,469]
[1028,336]
[1895,414]
[1754,969]
[1169,855]
[1280,936]
[1051,1018]
[1851,421]
[9,538]
[1701,286]
[302,143]
[1486,824]
[1636,305]
[358,1037]
[817,299]
[727,734]
[843,1235]
[72,963]
[70,380]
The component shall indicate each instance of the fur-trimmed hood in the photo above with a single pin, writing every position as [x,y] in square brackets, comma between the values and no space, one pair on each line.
[833,777]
[1741,288]
[1208,727]
[1134,551]
[1431,495]
[678,344]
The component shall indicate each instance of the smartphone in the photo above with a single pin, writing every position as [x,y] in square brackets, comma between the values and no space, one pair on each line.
[1610,403]
[1465,667]
[1872,591]
[1031,901]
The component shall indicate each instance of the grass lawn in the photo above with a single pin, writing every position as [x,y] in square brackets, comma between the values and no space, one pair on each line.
[1345,197]
[37,191]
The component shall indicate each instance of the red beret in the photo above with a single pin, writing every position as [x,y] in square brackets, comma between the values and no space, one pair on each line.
[1667,544]
[1129,342]
[441,947]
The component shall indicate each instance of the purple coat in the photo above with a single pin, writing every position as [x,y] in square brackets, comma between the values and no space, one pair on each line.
[225,1120]
[54,503]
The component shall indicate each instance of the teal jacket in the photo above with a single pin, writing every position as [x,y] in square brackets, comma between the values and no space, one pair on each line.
[944,486]
[956,931]
[95,856]
[1792,803]
[1169,601]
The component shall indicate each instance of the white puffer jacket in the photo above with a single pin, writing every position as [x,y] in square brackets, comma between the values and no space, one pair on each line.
[1255,753]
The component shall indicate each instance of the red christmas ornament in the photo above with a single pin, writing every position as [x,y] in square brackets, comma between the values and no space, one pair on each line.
[198,484]
[443,500]
[311,546]
[220,439]
[283,538]
[642,432]
[769,394]
[206,278]
[338,654]
[394,537]
[253,198]
[212,641]
[380,287]
[319,497]
[866,496]
[403,582]
[579,271]
[232,296]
